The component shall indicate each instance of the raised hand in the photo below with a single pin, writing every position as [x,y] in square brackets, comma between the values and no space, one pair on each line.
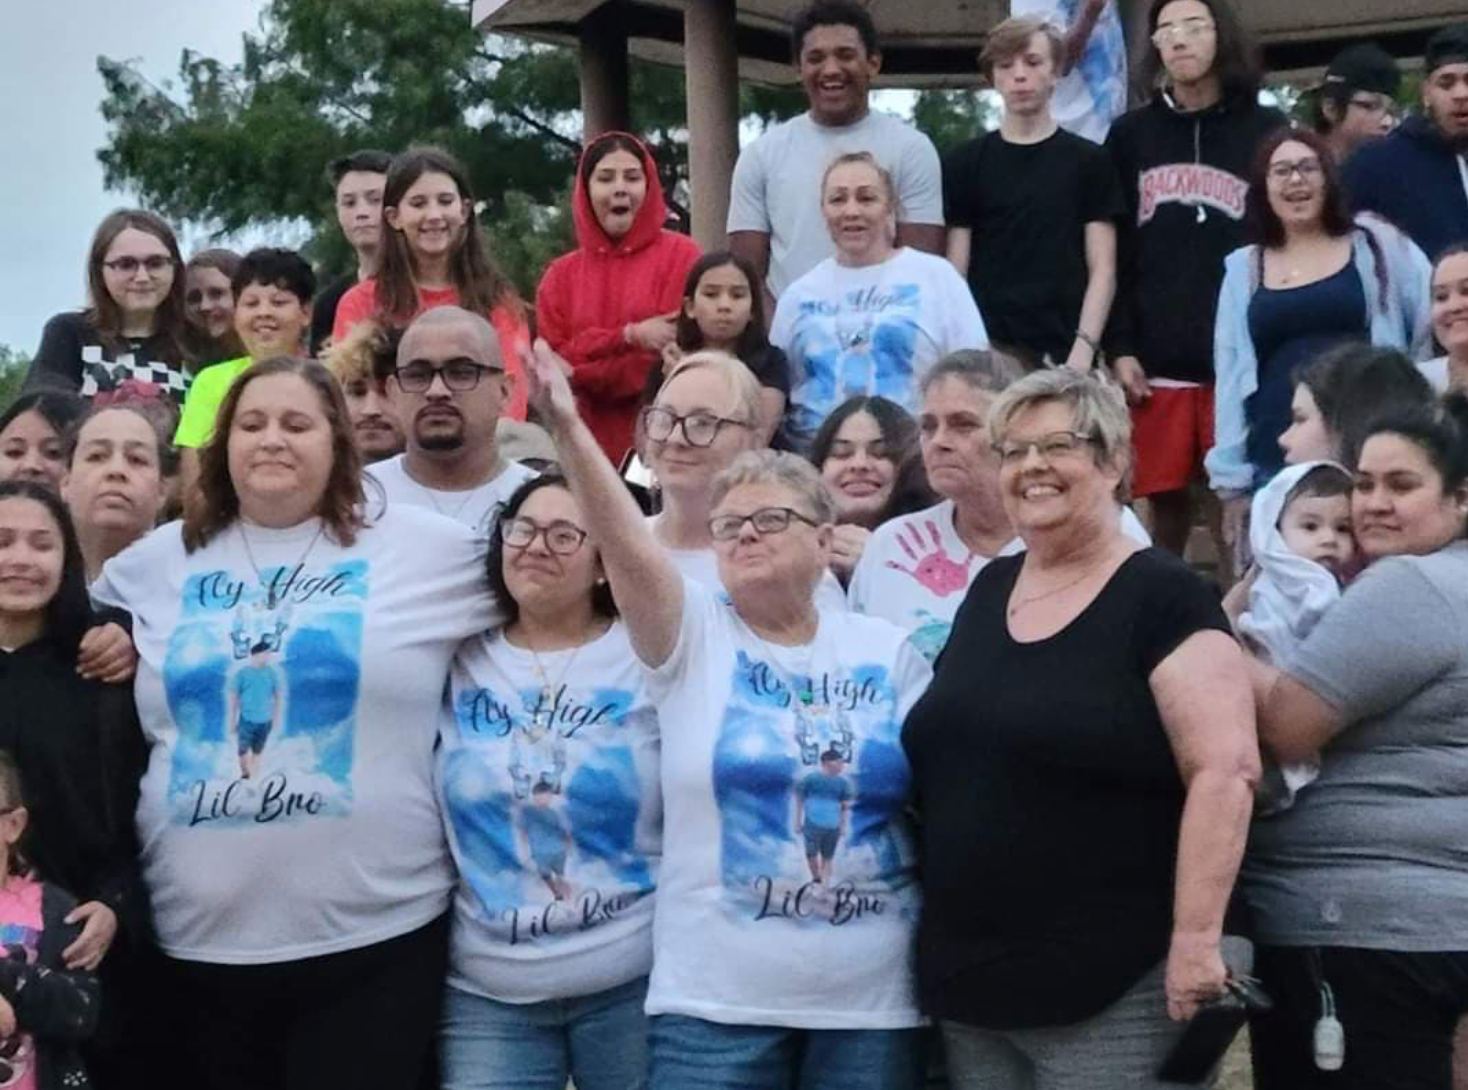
[549,389]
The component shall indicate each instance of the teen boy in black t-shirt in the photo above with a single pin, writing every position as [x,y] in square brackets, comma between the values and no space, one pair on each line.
[1032,209]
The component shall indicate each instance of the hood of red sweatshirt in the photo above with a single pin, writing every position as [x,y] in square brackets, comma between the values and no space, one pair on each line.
[646,225]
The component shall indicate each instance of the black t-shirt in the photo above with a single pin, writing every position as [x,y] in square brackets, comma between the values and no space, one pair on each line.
[1050,799]
[323,313]
[1027,206]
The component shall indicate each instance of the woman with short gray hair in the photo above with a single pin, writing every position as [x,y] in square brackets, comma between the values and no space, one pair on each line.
[788,895]
[1103,786]
[917,568]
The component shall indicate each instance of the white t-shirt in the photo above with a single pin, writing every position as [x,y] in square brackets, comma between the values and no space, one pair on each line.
[476,508]
[874,329]
[702,566]
[915,572]
[335,675]
[554,816]
[777,185]
[743,932]
[1094,93]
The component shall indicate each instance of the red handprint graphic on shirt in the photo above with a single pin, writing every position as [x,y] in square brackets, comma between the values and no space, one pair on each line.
[932,567]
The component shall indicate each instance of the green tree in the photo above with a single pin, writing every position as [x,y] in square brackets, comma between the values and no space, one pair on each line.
[14,365]
[952,117]
[242,146]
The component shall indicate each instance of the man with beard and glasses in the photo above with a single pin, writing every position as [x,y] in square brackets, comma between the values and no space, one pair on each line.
[1418,176]
[447,392]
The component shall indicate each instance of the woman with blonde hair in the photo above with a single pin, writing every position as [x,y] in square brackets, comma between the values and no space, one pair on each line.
[874,317]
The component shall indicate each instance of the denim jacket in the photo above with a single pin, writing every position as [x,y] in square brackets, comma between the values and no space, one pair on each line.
[1399,316]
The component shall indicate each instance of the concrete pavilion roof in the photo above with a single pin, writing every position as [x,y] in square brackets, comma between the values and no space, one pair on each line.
[934,42]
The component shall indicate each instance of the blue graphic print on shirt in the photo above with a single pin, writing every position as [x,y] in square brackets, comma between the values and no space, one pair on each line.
[863,345]
[769,744]
[823,794]
[256,687]
[549,822]
[304,630]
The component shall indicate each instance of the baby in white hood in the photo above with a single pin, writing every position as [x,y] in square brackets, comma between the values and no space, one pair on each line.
[1300,533]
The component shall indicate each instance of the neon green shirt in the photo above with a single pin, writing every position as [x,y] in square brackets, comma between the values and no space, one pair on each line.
[201,406]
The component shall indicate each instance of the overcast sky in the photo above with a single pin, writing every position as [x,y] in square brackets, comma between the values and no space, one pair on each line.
[51,129]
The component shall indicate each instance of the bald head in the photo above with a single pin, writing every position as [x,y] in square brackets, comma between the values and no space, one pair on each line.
[465,327]
[450,389]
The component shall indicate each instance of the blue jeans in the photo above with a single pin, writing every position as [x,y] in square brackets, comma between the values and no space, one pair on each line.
[691,1052]
[599,1041]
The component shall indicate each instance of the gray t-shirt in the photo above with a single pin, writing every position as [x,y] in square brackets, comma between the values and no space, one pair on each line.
[777,185]
[1374,854]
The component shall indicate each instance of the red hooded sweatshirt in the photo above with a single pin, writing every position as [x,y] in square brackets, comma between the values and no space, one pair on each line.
[587,297]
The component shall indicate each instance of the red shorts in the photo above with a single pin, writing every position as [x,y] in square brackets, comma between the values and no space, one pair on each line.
[1171,431]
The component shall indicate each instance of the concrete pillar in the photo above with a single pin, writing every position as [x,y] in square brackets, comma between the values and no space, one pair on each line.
[711,62]
[605,93]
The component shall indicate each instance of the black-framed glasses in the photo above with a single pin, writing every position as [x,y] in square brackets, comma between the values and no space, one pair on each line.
[458,374]
[1308,169]
[767,520]
[153,264]
[561,537]
[1052,446]
[700,429]
[1184,30]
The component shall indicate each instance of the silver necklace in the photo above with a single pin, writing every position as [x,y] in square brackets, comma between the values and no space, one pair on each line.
[272,598]
[540,717]
[457,511]
[499,466]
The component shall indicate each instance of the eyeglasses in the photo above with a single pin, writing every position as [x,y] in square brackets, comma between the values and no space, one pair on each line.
[561,537]
[1373,104]
[1308,170]
[128,266]
[457,375]
[767,520]
[1184,30]
[699,429]
[1055,446]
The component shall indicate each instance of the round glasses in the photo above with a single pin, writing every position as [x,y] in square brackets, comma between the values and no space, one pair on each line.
[457,375]
[561,537]
[700,429]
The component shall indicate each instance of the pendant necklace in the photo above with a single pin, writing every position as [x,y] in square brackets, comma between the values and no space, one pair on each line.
[457,511]
[1015,607]
[542,715]
[818,726]
[272,598]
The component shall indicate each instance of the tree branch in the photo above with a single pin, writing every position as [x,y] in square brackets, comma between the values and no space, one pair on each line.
[538,126]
